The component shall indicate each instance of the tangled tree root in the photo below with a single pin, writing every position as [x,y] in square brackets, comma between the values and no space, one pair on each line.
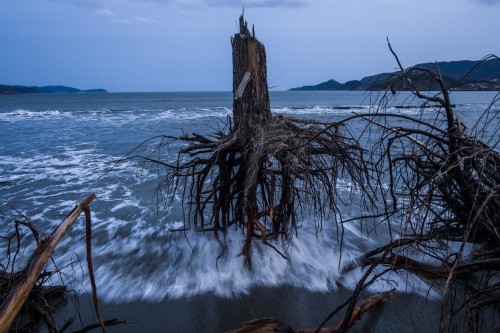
[260,187]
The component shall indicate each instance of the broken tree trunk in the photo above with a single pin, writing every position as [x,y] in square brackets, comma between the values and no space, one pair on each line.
[251,106]
[18,294]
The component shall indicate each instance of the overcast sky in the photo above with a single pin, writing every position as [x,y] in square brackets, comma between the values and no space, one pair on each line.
[184,45]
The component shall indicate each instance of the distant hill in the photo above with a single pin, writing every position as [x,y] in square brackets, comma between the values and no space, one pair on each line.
[12,90]
[464,74]
[328,85]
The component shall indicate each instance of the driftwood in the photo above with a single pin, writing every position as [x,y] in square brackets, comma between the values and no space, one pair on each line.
[23,294]
[90,265]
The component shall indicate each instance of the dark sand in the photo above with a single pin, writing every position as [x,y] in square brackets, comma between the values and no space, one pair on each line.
[297,307]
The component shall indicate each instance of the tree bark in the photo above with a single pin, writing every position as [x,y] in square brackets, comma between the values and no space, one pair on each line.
[251,106]
[251,114]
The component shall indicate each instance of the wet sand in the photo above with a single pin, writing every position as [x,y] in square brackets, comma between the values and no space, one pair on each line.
[298,307]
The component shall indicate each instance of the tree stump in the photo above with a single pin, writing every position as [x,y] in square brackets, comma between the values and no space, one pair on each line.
[252,174]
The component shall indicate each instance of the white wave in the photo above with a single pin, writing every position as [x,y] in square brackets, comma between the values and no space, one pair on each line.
[171,267]
[320,110]
[348,110]
[139,259]
[22,114]
[194,114]
[116,117]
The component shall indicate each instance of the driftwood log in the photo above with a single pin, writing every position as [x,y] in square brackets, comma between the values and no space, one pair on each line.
[25,280]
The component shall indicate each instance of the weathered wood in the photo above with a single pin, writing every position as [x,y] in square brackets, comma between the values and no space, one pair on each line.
[264,325]
[361,308]
[251,106]
[18,294]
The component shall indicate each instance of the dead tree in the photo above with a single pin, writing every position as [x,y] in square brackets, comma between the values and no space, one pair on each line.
[257,173]
[443,190]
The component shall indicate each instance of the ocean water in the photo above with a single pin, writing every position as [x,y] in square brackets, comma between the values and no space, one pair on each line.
[56,149]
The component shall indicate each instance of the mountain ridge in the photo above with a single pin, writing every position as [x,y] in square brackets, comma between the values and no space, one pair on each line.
[463,74]
[17,89]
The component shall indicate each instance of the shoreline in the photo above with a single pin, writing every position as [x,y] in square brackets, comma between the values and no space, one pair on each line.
[295,306]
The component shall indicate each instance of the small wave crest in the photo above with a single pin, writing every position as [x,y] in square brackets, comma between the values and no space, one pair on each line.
[114,115]
[22,114]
